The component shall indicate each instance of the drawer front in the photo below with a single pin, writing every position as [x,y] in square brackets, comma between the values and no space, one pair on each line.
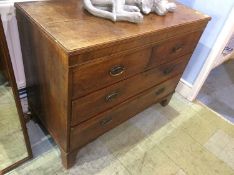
[89,130]
[174,48]
[94,103]
[109,70]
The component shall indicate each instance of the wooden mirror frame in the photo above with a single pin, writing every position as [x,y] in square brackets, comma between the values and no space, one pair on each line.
[10,74]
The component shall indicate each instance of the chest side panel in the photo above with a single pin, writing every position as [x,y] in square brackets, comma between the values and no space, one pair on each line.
[46,79]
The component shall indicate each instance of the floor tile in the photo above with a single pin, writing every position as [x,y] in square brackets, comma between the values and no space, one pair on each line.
[227,155]
[150,120]
[180,172]
[123,138]
[217,121]
[218,142]
[222,145]
[95,159]
[191,156]
[177,102]
[148,162]
[199,128]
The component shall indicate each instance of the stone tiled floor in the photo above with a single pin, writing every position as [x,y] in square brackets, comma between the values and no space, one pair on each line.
[218,91]
[181,139]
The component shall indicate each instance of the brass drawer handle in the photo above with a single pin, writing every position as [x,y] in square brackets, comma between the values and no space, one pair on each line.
[106,121]
[168,70]
[177,48]
[160,91]
[112,96]
[117,70]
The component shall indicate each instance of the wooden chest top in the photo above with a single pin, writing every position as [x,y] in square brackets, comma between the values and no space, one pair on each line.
[76,31]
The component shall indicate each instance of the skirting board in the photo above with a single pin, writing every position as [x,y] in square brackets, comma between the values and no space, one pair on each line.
[185,89]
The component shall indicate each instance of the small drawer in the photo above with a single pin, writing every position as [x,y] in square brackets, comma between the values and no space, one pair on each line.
[99,101]
[174,48]
[106,71]
[89,130]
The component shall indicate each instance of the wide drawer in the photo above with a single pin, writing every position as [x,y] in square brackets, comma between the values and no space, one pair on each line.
[89,130]
[111,69]
[94,103]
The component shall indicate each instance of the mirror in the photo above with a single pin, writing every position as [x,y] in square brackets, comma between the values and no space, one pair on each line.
[14,142]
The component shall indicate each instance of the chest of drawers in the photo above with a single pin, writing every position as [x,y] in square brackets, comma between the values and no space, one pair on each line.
[86,75]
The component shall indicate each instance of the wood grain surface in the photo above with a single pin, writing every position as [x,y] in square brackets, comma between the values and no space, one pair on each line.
[81,69]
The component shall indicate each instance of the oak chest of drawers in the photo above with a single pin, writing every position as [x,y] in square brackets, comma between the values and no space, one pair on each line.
[86,75]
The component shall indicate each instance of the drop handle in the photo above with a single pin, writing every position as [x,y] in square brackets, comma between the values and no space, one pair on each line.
[177,48]
[117,70]
[112,96]
[168,70]
[106,121]
[160,91]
